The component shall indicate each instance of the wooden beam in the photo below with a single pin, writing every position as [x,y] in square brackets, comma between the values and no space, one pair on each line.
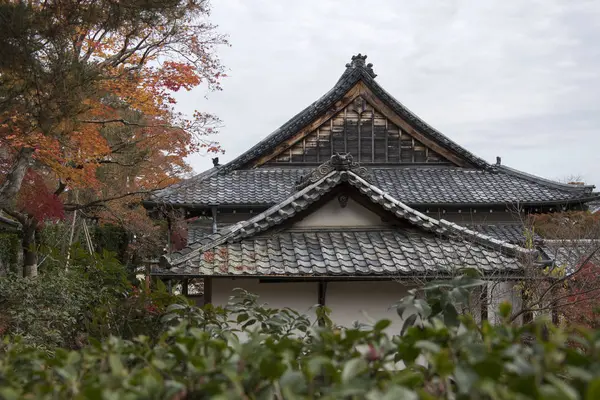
[348,98]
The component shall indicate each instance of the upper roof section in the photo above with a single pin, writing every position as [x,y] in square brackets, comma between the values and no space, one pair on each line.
[356,116]
[407,157]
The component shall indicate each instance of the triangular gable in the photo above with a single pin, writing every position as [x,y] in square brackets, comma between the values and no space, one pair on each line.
[359,80]
[359,129]
[340,170]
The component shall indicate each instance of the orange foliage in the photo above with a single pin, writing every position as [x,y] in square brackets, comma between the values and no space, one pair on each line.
[98,103]
[133,60]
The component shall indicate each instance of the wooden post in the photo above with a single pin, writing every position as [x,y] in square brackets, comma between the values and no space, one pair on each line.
[207,290]
[322,294]
[184,287]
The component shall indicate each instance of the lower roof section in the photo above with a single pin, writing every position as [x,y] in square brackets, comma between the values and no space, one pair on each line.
[367,253]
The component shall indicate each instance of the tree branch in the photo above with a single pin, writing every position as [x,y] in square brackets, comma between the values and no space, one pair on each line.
[101,202]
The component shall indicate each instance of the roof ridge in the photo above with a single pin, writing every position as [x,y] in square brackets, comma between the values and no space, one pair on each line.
[544,181]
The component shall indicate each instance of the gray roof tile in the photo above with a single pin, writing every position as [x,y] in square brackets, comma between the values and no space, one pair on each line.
[389,260]
[412,185]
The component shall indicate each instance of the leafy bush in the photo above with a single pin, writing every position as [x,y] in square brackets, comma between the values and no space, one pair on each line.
[9,248]
[284,355]
[91,298]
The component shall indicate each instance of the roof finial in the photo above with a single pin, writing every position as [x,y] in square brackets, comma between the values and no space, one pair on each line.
[358,62]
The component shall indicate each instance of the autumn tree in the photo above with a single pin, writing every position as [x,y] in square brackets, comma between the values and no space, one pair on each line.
[89,84]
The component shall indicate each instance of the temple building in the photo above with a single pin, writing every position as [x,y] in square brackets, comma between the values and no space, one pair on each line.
[352,202]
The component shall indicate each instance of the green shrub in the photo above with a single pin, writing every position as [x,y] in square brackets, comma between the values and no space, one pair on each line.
[63,307]
[286,356]
[9,248]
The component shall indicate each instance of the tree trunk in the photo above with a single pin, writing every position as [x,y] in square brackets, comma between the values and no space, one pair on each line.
[29,248]
[12,184]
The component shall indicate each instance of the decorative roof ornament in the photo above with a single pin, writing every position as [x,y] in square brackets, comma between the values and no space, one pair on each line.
[338,162]
[358,61]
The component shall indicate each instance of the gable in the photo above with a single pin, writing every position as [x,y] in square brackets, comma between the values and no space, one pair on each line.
[339,213]
[361,130]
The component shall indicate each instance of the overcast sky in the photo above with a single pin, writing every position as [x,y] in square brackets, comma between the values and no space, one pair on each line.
[516,79]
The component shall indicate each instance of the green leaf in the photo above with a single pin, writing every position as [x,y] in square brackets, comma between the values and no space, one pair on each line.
[115,363]
[465,378]
[9,394]
[428,345]
[381,325]
[399,392]
[174,307]
[505,309]
[353,368]
[241,318]
[593,390]
[272,369]
[408,322]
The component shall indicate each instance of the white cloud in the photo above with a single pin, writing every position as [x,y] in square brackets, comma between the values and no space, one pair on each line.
[516,79]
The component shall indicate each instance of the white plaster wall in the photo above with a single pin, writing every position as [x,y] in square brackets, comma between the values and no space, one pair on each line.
[499,292]
[331,214]
[300,296]
[365,302]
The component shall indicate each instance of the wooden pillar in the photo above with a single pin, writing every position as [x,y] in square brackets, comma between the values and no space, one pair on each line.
[207,290]
[184,287]
[322,294]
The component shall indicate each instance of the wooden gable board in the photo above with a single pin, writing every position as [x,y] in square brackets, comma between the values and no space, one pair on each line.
[364,126]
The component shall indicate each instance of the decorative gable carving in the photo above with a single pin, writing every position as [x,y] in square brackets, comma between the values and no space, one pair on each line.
[338,162]
[358,129]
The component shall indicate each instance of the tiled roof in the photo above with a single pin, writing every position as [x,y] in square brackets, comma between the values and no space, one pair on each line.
[512,233]
[570,253]
[346,253]
[488,251]
[411,185]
